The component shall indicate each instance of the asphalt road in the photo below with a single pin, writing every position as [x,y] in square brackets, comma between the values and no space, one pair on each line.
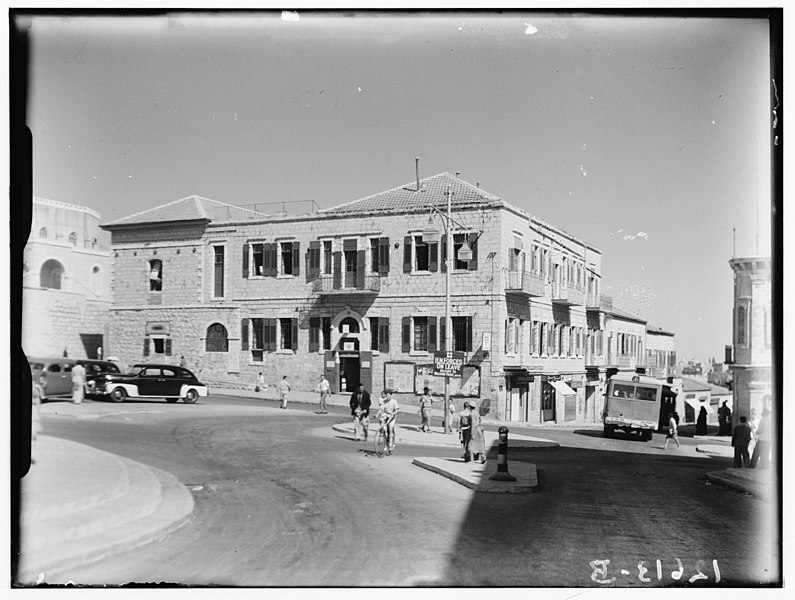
[282,500]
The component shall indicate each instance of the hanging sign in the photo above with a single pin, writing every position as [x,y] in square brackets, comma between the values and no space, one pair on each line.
[450,364]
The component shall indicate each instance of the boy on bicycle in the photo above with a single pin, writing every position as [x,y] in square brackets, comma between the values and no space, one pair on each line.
[387,413]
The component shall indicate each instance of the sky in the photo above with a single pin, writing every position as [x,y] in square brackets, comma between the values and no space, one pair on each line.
[647,137]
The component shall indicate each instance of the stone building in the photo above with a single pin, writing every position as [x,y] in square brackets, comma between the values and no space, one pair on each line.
[359,292]
[660,353]
[752,338]
[66,290]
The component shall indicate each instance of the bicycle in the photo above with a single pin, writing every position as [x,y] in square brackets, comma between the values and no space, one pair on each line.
[383,443]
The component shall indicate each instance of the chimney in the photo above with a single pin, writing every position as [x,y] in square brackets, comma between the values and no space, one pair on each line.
[458,175]
[417,170]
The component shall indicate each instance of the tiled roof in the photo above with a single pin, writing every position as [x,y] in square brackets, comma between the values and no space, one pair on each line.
[406,197]
[656,329]
[622,314]
[192,208]
[694,385]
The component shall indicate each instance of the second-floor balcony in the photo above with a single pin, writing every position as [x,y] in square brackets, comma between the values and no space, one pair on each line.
[366,284]
[524,283]
[567,295]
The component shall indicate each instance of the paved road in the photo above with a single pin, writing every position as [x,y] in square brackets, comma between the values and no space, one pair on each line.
[281,500]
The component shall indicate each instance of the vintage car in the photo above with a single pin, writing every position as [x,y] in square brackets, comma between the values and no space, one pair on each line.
[151,381]
[52,377]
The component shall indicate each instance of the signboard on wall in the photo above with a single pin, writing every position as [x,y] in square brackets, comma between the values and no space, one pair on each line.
[399,377]
[157,327]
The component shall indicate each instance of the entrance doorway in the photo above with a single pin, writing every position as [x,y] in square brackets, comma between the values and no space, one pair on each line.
[547,402]
[350,371]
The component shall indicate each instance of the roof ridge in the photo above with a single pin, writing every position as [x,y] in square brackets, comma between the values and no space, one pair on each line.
[143,212]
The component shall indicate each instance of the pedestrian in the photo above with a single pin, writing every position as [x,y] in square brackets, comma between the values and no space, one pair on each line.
[387,411]
[673,430]
[360,411]
[426,402]
[99,352]
[182,361]
[741,437]
[260,385]
[701,422]
[284,389]
[452,424]
[724,419]
[465,430]
[78,383]
[65,353]
[477,440]
[324,389]
[763,439]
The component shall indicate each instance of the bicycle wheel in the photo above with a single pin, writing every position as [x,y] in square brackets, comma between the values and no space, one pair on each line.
[380,444]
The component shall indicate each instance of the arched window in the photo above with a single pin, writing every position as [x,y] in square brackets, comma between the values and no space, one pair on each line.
[50,276]
[155,275]
[73,239]
[349,325]
[217,340]
[43,232]
[741,325]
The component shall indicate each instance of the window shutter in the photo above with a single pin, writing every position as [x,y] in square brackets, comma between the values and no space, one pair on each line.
[313,265]
[407,254]
[433,257]
[314,334]
[245,261]
[469,334]
[338,270]
[383,256]
[168,346]
[383,334]
[511,260]
[146,346]
[473,244]
[244,334]
[269,334]
[361,265]
[295,335]
[269,258]
[443,258]
[406,346]
[431,334]
[443,334]
[296,259]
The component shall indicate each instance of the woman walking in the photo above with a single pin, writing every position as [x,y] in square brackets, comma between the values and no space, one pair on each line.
[673,430]
[426,401]
[478,440]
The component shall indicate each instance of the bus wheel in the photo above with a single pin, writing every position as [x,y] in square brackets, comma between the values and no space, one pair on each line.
[609,431]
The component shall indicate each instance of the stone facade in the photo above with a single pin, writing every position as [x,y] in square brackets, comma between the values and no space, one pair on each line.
[66,284]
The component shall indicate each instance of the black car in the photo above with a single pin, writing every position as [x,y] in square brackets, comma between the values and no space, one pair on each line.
[95,368]
[151,381]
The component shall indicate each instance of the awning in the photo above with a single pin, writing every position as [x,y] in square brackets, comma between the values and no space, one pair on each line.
[563,388]
[697,405]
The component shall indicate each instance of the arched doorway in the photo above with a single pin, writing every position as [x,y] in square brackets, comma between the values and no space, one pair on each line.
[350,361]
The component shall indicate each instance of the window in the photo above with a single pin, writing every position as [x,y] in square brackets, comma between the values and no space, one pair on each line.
[263,337]
[374,333]
[462,334]
[157,345]
[420,334]
[349,325]
[50,275]
[534,338]
[374,255]
[511,335]
[327,257]
[218,271]
[42,232]
[287,258]
[217,338]
[289,334]
[257,260]
[155,275]
[741,325]
[314,334]
[534,259]
[73,238]
[421,254]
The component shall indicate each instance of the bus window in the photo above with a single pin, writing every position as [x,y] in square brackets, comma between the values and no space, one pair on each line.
[623,391]
[646,393]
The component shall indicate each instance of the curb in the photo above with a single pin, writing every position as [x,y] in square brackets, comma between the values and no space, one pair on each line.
[473,475]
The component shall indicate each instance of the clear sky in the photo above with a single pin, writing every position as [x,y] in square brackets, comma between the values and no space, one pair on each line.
[647,137]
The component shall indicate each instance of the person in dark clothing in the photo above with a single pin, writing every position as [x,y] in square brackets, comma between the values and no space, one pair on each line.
[741,437]
[465,430]
[701,422]
[360,411]
[724,419]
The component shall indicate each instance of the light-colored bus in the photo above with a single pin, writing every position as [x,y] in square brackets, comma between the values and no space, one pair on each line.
[635,404]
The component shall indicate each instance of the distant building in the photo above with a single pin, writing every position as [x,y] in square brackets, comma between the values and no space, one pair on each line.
[66,290]
[752,337]
[660,353]
[696,394]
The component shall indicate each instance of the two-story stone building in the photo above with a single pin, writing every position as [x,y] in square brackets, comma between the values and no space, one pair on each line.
[358,292]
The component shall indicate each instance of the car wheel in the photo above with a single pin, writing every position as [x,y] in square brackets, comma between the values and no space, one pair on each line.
[171,400]
[118,394]
[609,431]
[190,397]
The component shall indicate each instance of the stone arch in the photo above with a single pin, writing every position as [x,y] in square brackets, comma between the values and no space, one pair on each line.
[51,274]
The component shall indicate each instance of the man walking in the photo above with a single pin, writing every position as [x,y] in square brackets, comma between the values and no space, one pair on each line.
[741,437]
[360,411]
[78,383]
[284,389]
[324,388]
[763,439]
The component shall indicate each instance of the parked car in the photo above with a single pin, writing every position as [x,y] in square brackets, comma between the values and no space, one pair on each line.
[52,377]
[151,381]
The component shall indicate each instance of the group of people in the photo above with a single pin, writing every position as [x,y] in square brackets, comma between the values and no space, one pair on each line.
[388,409]
[744,433]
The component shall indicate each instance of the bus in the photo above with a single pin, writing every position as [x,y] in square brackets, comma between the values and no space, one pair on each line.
[637,404]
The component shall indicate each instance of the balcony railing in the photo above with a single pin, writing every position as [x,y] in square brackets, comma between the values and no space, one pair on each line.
[621,360]
[567,295]
[599,302]
[524,283]
[369,284]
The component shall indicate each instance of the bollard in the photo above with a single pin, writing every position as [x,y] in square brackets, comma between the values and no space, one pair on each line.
[502,473]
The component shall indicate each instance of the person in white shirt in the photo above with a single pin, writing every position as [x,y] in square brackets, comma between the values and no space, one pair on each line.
[763,439]
[78,383]
[284,389]
[388,411]
[324,388]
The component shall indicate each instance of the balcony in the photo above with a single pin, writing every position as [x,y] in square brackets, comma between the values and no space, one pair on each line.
[597,303]
[524,283]
[567,295]
[368,285]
